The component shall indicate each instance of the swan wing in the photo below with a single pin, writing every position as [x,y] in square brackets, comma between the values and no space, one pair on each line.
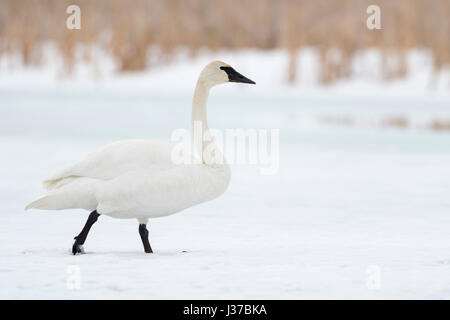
[153,192]
[114,160]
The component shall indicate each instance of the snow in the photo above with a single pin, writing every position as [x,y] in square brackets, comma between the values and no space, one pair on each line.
[358,211]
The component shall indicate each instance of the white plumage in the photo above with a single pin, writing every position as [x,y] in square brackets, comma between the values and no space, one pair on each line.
[137,178]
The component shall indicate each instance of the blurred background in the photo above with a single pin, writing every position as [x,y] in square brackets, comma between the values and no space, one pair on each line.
[364,120]
[299,48]
[335,28]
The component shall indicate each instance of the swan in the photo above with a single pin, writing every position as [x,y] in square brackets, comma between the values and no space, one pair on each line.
[138,179]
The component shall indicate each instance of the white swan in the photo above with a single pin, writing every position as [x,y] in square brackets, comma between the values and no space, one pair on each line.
[137,178]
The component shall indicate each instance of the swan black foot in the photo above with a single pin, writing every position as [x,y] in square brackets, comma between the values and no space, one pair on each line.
[81,238]
[77,247]
[144,237]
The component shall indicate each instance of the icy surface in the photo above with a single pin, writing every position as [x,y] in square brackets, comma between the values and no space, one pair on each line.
[354,212]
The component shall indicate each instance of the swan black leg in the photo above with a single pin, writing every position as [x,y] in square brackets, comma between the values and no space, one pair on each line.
[81,238]
[144,237]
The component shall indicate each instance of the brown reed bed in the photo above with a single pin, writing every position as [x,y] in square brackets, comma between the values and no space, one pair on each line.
[127,29]
[385,122]
[440,125]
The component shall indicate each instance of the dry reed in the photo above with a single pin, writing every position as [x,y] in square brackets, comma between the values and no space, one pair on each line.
[336,28]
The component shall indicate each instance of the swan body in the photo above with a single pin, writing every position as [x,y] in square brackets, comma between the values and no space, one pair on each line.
[137,178]
[133,179]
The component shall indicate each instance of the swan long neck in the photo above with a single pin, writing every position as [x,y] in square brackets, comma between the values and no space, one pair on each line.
[200,132]
[199,106]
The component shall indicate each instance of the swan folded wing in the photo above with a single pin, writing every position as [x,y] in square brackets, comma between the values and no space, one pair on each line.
[151,193]
[114,160]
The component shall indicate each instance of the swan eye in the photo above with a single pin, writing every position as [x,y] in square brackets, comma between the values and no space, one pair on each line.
[221,67]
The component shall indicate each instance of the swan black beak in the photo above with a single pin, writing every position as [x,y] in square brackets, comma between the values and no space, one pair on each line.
[234,76]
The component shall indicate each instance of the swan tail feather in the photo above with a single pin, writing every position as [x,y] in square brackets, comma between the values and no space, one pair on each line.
[46,202]
[57,183]
[49,184]
[79,193]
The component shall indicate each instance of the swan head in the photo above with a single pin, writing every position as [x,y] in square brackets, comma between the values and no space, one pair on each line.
[218,72]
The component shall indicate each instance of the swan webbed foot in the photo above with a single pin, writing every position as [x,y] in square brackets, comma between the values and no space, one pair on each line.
[77,248]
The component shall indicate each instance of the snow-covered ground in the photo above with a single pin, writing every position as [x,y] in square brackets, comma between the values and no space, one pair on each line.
[356,210]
